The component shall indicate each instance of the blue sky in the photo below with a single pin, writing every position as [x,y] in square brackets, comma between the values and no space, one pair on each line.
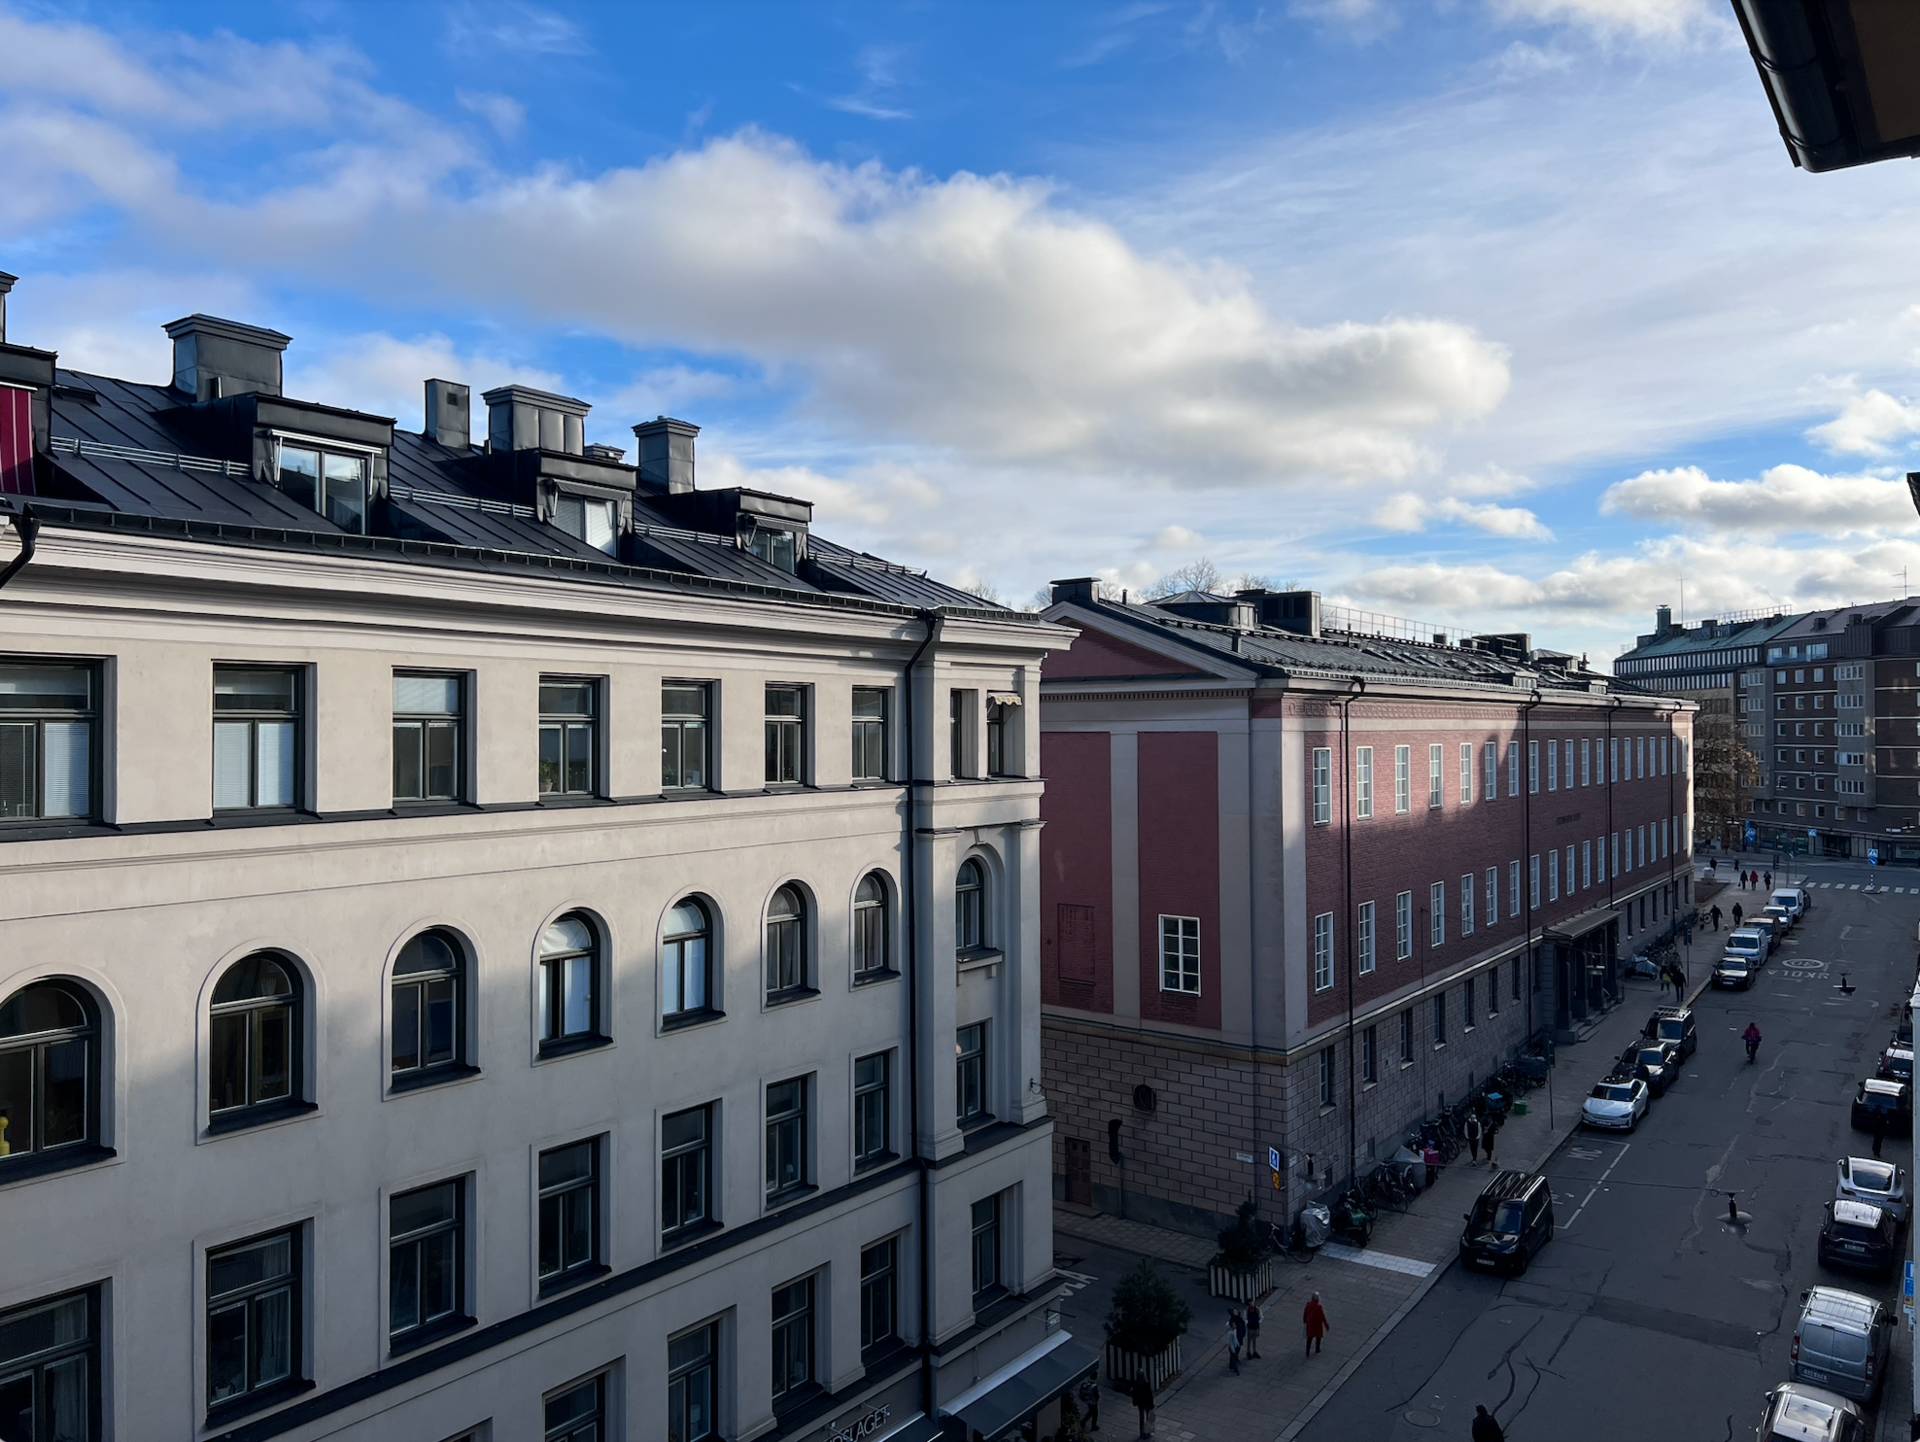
[1490,313]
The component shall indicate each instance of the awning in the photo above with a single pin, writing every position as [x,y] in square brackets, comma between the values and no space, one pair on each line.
[1002,1400]
[1003,698]
[1579,926]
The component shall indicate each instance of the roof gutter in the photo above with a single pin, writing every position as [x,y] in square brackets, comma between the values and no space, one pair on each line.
[26,526]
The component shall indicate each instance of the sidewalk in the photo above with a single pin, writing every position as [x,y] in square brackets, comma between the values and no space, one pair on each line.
[1366,1293]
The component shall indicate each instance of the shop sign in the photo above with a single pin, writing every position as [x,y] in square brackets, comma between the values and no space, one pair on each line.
[860,1428]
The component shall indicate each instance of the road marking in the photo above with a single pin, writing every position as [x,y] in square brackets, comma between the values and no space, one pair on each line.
[1568,1224]
[1384,1261]
[1076,1281]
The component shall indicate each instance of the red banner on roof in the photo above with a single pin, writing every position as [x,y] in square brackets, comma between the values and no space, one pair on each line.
[16,441]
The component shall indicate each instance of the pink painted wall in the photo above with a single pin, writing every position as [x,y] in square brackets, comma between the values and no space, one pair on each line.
[1096,654]
[1179,847]
[1076,871]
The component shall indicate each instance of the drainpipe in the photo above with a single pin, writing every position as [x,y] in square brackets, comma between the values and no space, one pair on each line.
[1346,921]
[1526,853]
[908,892]
[26,526]
[1253,979]
[1613,871]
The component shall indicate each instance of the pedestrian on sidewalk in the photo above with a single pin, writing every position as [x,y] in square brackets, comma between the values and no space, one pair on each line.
[1089,1395]
[1485,1429]
[1737,914]
[1473,1131]
[1236,1338]
[1141,1395]
[1254,1318]
[1494,1123]
[1715,914]
[1769,881]
[1431,1156]
[1314,1319]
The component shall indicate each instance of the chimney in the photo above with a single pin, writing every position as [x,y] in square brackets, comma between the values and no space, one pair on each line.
[214,358]
[520,418]
[664,454]
[449,417]
[1662,620]
[1296,611]
[6,285]
[1078,591]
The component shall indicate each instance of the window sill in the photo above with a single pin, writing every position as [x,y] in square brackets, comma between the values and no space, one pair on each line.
[578,1277]
[788,995]
[261,816]
[875,976]
[692,1232]
[976,1121]
[223,1412]
[787,1196]
[426,1078]
[30,1165]
[228,1123]
[878,1159]
[572,1046]
[1439,1046]
[686,793]
[558,801]
[434,806]
[795,1399]
[690,1018]
[977,957]
[426,1335]
[1326,1108]
[1405,1063]
[987,1296]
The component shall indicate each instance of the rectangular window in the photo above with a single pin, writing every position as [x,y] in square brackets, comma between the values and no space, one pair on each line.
[1567,766]
[428,722]
[686,1173]
[589,519]
[793,1342]
[686,735]
[1466,905]
[1533,881]
[1616,854]
[48,711]
[1569,869]
[971,1101]
[1363,782]
[1436,775]
[1406,1037]
[1586,863]
[1180,954]
[1323,951]
[1365,937]
[1490,771]
[1586,761]
[331,482]
[256,738]
[426,1261]
[1613,759]
[777,546]
[1493,896]
[1322,785]
[1466,773]
[569,1214]
[788,1162]
[999,720]
[1513,888]
[786,726]
[1533,767]
[1553,875]
[255,1317]
[1553,767]
[1326,1076]
[1402,779]
[693,1385]
[1440,1019]
[1640,758]
[961,706]
[1369,1056]
[1403,925]
[1466,1004]
[986,1249]
[873,1109]
[50,1387]
[1513,982]
[879,1294]
[1437,914]
[569,736]
[1493,990]
[1513,768]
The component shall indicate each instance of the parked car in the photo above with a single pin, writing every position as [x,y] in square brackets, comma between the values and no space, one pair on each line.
[1860,1237]
[1781,918]
[1733,973]
[1769,928]
[1793,898]
[1889,1104]
[1840,1342]
[1748,944]
[1877,1183]
[1896,1063]
[1674,1024]
[1657,1063]
[1512,1219]
[1799,1413]
[1616,1104]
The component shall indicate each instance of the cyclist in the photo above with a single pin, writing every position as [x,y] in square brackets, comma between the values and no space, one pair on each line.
[1751,1036]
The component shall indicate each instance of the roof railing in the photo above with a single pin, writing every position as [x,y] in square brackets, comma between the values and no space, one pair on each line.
[107,451]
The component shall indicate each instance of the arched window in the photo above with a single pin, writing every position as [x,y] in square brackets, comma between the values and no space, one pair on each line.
[684,961]
[869,926]
[970,907]
[429,1007]
[786,942]
[569,982]
[49,1073]
[255,1037]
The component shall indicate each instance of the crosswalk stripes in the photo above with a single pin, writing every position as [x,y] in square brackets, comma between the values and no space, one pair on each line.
[1075,1281]
[1859,886]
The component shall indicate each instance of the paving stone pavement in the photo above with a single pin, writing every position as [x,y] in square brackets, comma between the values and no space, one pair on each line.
[1275,1396]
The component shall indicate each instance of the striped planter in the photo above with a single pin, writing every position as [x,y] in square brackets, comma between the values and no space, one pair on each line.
[1238,1284]
[1159,1369]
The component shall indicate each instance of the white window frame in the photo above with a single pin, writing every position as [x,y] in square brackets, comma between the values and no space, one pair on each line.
[1493,896]
[1533,768]
[1553,874]
[1513,888]
[1586,761]
[1323,951]
[1436,775]
[1363,782]
[1437,914]
[1553,767]
[1513,768]
[1586,863]
[1466,904]
[1533,881]
[1466,773]
[1490,771]
[1402,925]
[1322,785]
[1183,963]
[1366,938]
[1402,780]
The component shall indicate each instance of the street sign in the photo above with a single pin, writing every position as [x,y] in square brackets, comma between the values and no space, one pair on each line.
[1873,857]
[1750,833]
[1906,1283]
[1273,1158]
[1244,1157]
[1812,835]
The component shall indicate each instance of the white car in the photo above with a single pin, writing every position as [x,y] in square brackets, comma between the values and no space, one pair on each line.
[1877,1183]
[1616,1104]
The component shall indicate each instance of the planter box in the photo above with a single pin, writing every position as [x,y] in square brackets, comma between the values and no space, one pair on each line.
[1159,1368]
[1240,1286]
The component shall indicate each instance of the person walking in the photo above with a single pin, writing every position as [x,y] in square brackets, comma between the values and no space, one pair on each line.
[1473,1131]
[1715,914]
[1236,1338]
[1485,1429]
[1314,1319]
[1769,881]
[1738,912]
[1254,1318]
[1494,1123]
[1089,1395]
[1141,1395]
[1431,1156]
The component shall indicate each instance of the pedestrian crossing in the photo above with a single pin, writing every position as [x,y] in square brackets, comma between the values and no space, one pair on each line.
[1861,886]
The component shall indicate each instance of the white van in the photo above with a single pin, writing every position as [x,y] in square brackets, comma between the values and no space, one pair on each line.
[1790,897]
[1748,944]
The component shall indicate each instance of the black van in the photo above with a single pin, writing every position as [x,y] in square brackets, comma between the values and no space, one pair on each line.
[1511,1220]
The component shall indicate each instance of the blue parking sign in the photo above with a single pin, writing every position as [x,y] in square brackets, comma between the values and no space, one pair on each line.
[1750,833]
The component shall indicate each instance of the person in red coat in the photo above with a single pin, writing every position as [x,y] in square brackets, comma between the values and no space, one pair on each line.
[1315,1321]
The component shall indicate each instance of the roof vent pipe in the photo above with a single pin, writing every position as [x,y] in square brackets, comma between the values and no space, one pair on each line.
[450,415]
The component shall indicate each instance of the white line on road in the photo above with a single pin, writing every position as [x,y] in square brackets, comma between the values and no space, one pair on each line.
[1602,1181]
[1385,1261]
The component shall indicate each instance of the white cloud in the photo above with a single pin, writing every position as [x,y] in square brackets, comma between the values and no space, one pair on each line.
[867,497]
[1175,538]
[1408,512]
[1659,20]
[519,29]
[1358,19]
[1784,500]
[880,84]
[1868,425]
[505,114]
[386,375]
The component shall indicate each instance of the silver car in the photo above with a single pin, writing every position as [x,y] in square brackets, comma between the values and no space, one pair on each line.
[1877,1183]
[1799,1413]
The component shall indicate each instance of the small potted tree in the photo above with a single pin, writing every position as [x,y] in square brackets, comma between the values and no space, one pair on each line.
[1243,1267]
[1144,1327]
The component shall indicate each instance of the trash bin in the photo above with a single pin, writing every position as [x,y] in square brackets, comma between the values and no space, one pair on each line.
[1519,1106]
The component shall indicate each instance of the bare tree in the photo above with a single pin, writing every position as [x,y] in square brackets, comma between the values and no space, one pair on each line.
[1041,598]
[1198,575]
[986,591]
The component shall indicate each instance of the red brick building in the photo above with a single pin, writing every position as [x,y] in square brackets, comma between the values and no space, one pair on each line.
[1300,888]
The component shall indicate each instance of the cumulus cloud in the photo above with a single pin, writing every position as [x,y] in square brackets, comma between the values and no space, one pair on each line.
[1175,538]
[1656,20]
[1869,425]
[505,114]
[1783,500]
[1408,512]
[864,498]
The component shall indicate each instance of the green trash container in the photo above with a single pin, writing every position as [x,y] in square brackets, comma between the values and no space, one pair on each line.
[1519,1107]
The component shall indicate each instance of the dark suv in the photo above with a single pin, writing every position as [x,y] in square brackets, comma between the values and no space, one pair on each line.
[1510,1221]
[1674,1024]
[1657,1063]
[1860,1237]
[1882,1105]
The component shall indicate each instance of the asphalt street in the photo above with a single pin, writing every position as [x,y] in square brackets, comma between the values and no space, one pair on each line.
[1650,1314]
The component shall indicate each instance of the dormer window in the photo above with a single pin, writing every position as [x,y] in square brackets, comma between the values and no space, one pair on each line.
[595,522]
[775,546]
[334,483]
